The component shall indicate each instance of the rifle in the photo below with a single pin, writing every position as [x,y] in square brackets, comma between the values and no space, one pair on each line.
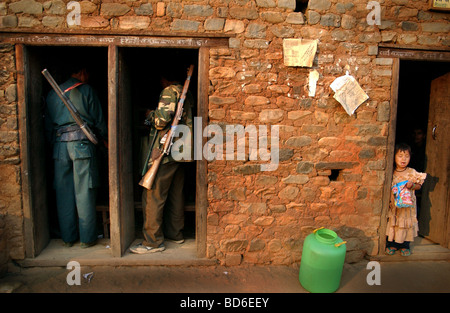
[150,175]
[73,111]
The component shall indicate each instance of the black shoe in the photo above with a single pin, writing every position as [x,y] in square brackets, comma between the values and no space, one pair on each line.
[85,245]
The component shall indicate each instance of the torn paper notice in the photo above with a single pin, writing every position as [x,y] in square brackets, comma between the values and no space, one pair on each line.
[299,52]
[348,93]
[313,78]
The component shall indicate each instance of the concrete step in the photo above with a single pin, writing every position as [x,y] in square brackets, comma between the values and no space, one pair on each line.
[55,254]
[422,249]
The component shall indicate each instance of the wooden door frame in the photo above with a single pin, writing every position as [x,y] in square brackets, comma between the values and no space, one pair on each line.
[433,229]
[389,154]
[27,199]
[35,208]
[202,166]
[398,53]
[119,242]
[121,204]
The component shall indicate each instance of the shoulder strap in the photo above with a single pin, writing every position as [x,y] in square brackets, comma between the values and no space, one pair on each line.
[72,87]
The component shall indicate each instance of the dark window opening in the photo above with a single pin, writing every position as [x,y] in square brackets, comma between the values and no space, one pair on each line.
[334,175]
[301,6]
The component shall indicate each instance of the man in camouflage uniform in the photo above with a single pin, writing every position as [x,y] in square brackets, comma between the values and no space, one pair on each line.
[163,205]
[75,158]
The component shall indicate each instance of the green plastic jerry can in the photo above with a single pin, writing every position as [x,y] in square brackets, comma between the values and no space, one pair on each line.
[322,261]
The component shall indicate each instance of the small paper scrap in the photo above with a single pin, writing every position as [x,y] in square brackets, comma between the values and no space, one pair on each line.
[348,93]
[313,78]
[299,52]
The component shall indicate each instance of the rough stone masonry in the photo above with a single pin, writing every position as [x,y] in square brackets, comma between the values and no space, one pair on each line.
[332,165]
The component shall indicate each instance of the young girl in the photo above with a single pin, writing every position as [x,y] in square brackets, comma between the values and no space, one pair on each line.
[402,222]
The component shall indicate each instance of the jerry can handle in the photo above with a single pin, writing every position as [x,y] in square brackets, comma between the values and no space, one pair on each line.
[339,244]
[314,231]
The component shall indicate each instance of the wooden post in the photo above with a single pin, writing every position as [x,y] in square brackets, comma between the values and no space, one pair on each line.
[202,166]
[389,154]
[114,188]
[24,156]
[121,202]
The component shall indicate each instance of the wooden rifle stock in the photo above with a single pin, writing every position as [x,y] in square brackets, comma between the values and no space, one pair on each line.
[149,177]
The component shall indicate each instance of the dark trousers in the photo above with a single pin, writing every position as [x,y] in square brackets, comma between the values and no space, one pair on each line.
[396,245]
[163,206]
[76,177]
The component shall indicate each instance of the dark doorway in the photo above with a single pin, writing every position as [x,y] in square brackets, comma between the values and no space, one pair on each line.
[140,88]
[413,120]
[55,60]
[414,96]
[142,68]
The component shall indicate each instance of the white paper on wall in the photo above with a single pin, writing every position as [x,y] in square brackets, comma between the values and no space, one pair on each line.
[348,93]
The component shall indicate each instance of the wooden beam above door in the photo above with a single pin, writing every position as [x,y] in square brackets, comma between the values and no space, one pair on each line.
[116,40]
[413,53]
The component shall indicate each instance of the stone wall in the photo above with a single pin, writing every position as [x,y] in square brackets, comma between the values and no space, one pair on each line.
[11,215]
[332,165]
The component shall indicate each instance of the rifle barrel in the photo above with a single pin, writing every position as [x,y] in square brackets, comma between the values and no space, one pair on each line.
[72,109]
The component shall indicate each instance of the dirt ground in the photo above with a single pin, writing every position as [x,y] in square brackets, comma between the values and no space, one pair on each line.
[178,270]
[394,277]
[157,279]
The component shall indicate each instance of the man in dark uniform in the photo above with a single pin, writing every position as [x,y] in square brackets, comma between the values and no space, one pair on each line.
[163,205]
[75,159]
